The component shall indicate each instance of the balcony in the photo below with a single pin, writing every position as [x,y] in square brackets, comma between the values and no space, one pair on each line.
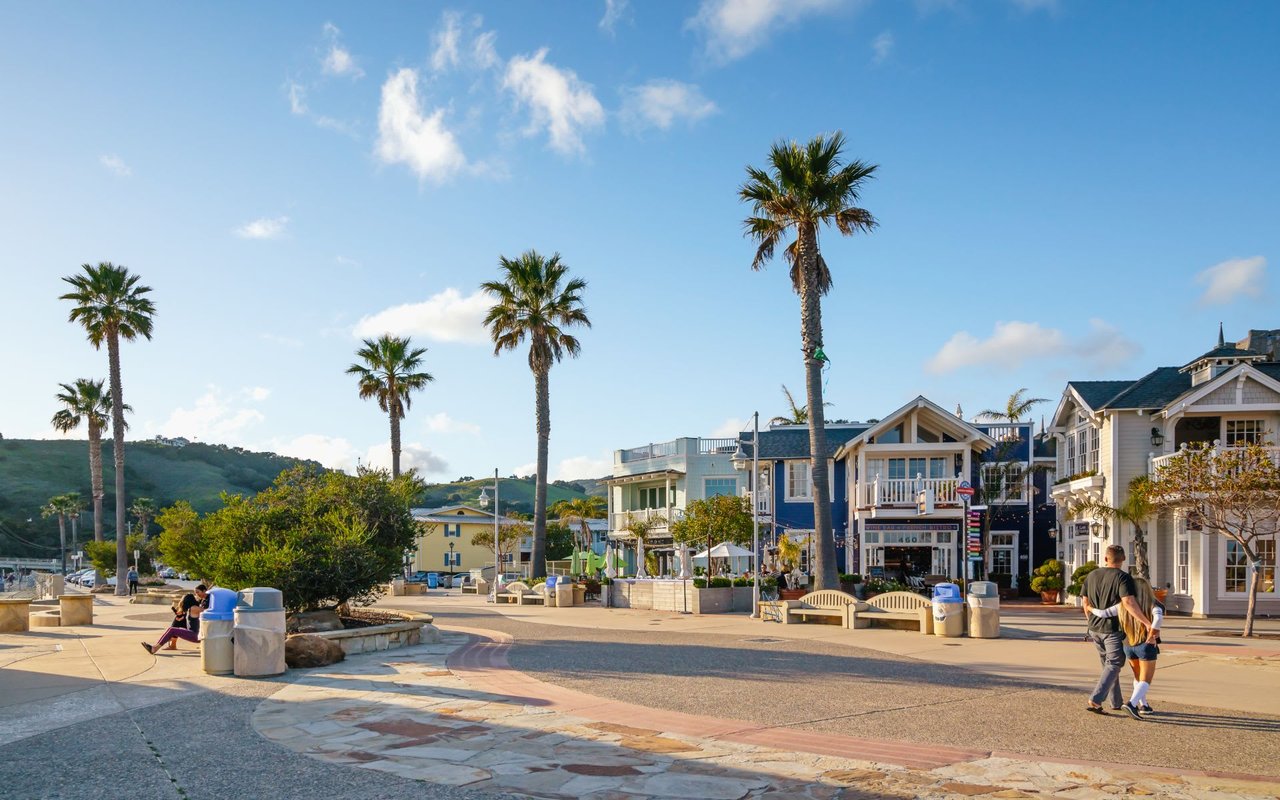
[678,447]
[1078,485]
[1161,461]
[619,520]
[764,503]
[881,492]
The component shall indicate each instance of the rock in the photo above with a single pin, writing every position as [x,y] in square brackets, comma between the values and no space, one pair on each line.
[314,622]
[304,650]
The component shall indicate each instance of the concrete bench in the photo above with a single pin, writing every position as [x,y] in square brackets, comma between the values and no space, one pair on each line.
[890,606]
[15,615]
[76,609]
[824,605]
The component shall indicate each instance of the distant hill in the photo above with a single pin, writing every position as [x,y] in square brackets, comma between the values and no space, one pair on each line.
[515,494]
[33,470]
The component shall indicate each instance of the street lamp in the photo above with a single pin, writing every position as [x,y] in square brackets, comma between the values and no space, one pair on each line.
[497,554]
[739,459]
[450,565]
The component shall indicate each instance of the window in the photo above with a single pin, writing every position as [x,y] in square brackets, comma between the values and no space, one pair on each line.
[1096,552]
[1003,482]
[651,497]
[1002,561]
[1237,566]
[457,559]
[719,486]
[907,468]
[1071,456]
[1241,432]
[799,487]
[891,436]
[1001,539]
[1182,566]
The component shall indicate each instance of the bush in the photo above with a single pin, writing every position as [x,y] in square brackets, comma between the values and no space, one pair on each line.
[699,583]
[721,583]
[102,555]
[846,577]
[1077,578]
[743,582]
[1048,576]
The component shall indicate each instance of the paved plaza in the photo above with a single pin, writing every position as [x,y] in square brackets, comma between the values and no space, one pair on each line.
[606,703]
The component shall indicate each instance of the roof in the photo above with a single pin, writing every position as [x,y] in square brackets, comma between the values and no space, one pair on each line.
[793,441]
[450,515]
[1270,370]
[1225,351]
[1156,389]
[1046,447]
[1096,393]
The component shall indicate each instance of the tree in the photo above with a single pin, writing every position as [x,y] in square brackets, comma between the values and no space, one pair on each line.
[1232,492]
[180,543]
[111,306]
[388,374]
[143,509]
[1136,509]
[577,513]
[87,401]
[806,188]
[509,536]
[58,507]
[640,527]
[535,300]
[1016,407]
[725,517]
[796,415]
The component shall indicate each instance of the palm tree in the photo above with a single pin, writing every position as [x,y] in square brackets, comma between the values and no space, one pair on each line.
[74,506]
[1016,407]
[534,301]
[111,306]
[808,187]
[796,415]
[388,374]
[59,506]
[87,401]
[1137,508]
[579,511]
[143,510]
[640,527]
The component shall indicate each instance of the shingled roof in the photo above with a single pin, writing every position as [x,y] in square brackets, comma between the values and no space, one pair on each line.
[1225,351]
[1096,393]
[793,441]
[1156,389]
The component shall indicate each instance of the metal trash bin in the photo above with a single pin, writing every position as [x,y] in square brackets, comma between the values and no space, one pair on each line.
[948,611]
[984,610]
[216,625]
[259,633]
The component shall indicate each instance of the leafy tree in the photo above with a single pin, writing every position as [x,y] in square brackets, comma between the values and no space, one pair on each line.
[111,306]
[576,514]
[143,509]
[725,517]
[59,506]
[87,401]
[1137,508]
[388,373]
[1233,492]
[560,541]
[180,542]
[1048,576]
[806,188]
[536,301]
[509,536]
[103,555]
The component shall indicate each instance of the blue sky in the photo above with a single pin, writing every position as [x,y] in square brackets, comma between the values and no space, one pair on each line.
[1066,190]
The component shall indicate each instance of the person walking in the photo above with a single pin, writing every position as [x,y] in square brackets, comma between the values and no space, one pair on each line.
[1103,588]
[133,581]
[1141,643]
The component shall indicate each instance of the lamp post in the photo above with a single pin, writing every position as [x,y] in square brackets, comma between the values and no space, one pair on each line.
[497,553]
[450,565]
[738,458]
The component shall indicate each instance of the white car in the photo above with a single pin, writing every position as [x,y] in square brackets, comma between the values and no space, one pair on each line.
[86,580]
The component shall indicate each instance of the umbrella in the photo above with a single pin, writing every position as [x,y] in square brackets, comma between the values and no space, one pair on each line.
[727,550]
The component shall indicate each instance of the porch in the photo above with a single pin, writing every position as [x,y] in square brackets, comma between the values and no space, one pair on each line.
[905,492]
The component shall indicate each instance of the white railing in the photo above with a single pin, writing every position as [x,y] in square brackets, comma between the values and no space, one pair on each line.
[708,446]
[1156,462]
[904,491]
[763,502]
[619,521]
[1004,431]
[650,451]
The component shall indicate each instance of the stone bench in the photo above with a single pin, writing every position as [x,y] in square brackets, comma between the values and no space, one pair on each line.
[45,619]
[76,609]
[15,615]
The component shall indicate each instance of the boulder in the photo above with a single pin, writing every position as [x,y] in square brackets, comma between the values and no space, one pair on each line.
[314,622]
[304,650]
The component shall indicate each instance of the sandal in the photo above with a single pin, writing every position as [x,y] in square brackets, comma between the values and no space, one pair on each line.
[148,648]
[1099,710]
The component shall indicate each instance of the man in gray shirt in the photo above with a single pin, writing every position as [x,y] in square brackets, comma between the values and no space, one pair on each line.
[1103,588]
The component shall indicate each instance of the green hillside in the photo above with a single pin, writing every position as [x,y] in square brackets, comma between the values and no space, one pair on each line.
[32,471]
[515,494]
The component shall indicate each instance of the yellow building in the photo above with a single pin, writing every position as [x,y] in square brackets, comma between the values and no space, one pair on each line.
[444,540]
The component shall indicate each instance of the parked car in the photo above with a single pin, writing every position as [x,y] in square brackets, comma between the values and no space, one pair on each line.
[168,573]
[86,580]
[418,577]
[456,580]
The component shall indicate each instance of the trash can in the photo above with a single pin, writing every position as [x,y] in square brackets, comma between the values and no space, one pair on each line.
[433,580]
[552,597]
[216,624]
[948,610]
[259,633]
[564,594]
[984,610]
[579,594]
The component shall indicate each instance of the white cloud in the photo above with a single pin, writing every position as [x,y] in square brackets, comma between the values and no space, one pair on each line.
[337,59]
[582,467]
[444,317]
[115,164]
[262,228]
[1232,279]
[461,42]
[443,423]
[258,393]
[333,452]
[1012,344]
[729,429]
[412,456]
[297,98]
[525,469]
[660,103]
[298,107]
[882,48]
[614,12]
[733,28]
[557,100]
[346,262]
[408,135]
[215,417]
[445,53]
[483,50]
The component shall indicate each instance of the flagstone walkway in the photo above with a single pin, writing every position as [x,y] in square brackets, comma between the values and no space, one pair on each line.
[455,714]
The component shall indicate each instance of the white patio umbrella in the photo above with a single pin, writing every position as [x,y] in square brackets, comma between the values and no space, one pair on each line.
[728,550]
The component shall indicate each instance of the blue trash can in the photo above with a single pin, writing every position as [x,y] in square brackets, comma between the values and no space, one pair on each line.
[433,580]
[948,610]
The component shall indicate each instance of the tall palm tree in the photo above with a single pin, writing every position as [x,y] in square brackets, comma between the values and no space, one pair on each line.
[536,301]
[87,401]
[59,506]
[143,510]
[1137,508]
[389,375]
[1016,407]
[806,188]
[578,512]
[74,505]
[111,305]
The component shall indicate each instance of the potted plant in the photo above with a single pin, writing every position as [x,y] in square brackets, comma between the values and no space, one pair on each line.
[1076,587]
[850,583]
[789,556]
[1162,594]
[1048,581]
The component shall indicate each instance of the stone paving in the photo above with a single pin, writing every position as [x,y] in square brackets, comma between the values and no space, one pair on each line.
[409,714]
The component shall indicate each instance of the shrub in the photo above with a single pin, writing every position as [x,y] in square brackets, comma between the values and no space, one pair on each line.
[1077,578]
[846,577]
[743,582]
[699,583]
[1047,576]
[721,583]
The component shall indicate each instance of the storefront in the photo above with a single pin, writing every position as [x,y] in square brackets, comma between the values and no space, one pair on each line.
[899,550]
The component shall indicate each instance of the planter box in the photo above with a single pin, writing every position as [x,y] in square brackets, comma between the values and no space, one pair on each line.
[742,598]
[712,601]
[415,629]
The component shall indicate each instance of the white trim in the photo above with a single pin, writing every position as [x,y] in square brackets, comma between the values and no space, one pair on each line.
[1179,405]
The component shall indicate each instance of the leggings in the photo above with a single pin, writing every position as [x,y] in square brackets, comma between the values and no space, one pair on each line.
[177,633]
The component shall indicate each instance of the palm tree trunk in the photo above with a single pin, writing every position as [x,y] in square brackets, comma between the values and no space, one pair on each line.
[395,440]
[117,434]
[824,568]
[538,558]
[95,477]
[1140,566]
[62,540]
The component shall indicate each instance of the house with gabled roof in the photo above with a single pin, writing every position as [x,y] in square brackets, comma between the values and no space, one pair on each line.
[1110,432]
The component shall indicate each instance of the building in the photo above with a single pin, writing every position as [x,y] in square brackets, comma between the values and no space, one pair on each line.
[1110,432]
[444,540]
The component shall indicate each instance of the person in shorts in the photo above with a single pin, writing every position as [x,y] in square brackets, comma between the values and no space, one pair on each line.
[1142,643]
[1105,587]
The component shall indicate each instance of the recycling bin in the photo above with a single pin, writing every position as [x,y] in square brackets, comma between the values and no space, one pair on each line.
[433,580]
[552,597]
[216,625]
[984,610]
[259,633]
[948,611]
